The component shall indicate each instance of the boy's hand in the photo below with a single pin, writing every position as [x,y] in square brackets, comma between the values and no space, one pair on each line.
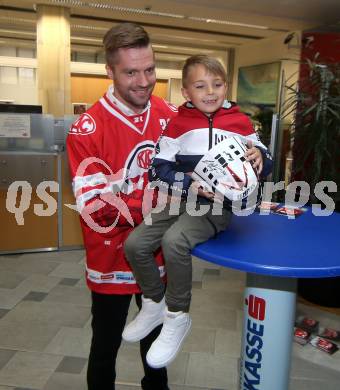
[254,156]
[197,188]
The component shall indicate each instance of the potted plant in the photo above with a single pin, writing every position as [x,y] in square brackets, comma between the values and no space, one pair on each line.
[315,102]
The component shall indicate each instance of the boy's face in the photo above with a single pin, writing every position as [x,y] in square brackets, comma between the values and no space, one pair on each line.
[205,90]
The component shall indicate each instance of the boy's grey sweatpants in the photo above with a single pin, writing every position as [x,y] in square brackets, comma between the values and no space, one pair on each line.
[177,235]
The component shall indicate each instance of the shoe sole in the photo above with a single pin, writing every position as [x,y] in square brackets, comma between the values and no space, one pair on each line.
[173,356]
[145,333]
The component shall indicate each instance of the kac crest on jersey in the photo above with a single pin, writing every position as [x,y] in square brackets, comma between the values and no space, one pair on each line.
[137,165]
[84,125]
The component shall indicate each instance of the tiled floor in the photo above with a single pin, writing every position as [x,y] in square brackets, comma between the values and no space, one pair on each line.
[45,333]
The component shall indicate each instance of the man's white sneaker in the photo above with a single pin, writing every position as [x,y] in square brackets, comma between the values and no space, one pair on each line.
[149,317]
[164,349]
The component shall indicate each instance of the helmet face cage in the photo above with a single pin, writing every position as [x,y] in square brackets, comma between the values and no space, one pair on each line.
[225,169]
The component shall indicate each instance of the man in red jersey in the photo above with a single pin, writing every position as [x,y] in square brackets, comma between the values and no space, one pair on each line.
[110,149]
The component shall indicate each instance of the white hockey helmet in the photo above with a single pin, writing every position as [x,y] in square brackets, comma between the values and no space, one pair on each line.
[225,169]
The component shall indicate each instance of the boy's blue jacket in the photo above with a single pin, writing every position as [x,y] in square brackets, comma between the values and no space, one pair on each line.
[191,134]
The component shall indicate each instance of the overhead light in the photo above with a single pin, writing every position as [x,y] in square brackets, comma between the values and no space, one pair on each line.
[228,22]
[140,11]
[88,27]
[70,2]
[148,11]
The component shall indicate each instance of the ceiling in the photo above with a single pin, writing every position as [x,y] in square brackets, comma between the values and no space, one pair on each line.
[178,28]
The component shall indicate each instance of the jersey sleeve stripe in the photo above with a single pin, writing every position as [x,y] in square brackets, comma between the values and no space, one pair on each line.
[83,198]
[96,179]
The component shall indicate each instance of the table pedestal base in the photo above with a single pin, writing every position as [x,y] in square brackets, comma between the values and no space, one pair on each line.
[269,312]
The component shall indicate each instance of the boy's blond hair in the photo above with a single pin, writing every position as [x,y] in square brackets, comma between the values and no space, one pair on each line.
[211,64]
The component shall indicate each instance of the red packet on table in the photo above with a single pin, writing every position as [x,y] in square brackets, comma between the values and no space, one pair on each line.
[330,334]
[308,324]
[301,336]
[289,211]
[324,345]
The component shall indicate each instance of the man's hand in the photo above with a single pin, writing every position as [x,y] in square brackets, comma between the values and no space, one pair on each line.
[254,156]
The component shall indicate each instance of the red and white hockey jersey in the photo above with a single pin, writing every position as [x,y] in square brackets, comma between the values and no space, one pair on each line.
[109,151]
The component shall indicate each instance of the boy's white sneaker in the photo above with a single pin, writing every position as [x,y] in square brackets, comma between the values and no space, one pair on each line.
[149,317]
[165,348]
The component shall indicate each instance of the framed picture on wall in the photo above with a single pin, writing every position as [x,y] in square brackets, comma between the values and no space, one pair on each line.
[259,84]
[257,94]
[79,108]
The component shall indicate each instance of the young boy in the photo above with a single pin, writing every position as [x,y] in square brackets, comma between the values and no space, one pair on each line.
[202,121]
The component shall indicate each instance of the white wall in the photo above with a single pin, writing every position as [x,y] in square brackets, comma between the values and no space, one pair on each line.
[19,94]
[17,83]
[175,95]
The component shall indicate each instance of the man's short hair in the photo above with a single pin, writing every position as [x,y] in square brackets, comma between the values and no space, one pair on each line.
[211,64]
[124,35]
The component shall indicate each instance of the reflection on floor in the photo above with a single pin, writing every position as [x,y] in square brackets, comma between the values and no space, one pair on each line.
[45,330]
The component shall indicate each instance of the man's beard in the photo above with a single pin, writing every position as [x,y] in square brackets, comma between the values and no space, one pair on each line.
[133,100]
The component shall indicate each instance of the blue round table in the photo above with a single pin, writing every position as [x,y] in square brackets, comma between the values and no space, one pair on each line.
[274,250]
